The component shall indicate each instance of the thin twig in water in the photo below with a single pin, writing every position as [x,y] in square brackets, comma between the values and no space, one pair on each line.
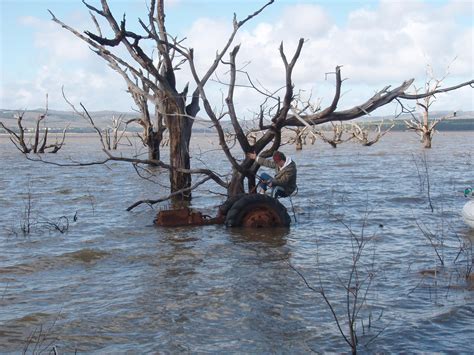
[428,190]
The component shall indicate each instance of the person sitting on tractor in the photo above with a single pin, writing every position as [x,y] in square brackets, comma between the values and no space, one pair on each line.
[284,182]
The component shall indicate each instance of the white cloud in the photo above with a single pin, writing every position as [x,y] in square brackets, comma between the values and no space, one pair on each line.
[377,46]
[58,43]
[305,20]
[96,91]
[64,60]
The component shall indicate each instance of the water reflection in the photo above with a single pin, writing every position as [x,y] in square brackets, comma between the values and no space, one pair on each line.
[274,237]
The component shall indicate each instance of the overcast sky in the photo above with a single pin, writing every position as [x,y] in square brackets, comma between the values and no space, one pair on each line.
[377,43]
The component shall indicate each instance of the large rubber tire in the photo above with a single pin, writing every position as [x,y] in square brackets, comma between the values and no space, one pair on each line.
[257,211]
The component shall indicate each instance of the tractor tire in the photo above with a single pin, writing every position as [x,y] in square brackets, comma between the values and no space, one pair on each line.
[257,211]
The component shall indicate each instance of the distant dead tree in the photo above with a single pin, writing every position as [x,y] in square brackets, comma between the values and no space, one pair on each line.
[298,138]
[113,135]
[40,144]
[424,126]
[301,133]
[362,134]
[153,126]
[337,138]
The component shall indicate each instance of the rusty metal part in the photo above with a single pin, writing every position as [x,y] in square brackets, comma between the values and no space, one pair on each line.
[261,217]
[185,217]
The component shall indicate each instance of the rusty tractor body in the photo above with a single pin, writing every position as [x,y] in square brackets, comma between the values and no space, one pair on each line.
[246,210]
[185,217]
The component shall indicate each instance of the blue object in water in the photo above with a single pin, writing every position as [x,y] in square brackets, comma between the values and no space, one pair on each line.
[264,177]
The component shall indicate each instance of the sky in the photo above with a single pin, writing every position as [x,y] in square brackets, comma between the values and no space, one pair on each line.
[376,42]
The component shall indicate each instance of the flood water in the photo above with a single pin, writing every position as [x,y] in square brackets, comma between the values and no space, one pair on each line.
[113,282]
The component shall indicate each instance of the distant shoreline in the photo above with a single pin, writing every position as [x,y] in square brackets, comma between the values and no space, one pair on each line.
[57,120]
[460,125]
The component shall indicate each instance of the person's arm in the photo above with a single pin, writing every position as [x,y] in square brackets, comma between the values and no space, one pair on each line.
[266,162]
[261,161]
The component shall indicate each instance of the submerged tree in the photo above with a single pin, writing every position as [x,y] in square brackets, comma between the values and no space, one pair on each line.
[154,79]
[424,126]
[300,134]
[364,136]
[113,134]
[337,138]
[153,126]
[39,142]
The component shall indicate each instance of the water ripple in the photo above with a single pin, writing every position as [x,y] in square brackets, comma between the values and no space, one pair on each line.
[114,283]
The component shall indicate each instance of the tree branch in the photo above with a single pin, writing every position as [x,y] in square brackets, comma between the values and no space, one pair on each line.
[434,92]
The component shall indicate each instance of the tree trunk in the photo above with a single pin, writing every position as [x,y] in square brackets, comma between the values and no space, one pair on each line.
[45,138]
[179,129]
[155,133]
[299,142]
[153,143]
[236,185]
[427,139]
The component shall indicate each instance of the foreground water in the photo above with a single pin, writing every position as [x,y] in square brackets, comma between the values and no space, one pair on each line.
[113,282]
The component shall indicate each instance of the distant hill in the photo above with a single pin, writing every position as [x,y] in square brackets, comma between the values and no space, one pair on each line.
[57,120]
[453,124]
[464,121]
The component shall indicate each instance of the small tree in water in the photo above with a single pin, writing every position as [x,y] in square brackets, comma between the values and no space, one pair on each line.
[39,144]
[424,126]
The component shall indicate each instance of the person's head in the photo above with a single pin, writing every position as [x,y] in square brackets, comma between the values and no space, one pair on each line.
[279,158]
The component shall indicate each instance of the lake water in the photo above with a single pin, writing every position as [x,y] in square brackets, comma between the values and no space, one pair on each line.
[114,282]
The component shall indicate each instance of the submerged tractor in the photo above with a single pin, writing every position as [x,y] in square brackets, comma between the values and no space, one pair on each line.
[245,210]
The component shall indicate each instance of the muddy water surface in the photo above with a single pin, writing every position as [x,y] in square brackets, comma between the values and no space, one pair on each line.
[113,282]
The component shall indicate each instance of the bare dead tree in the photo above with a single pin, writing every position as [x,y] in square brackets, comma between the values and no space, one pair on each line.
[338,130]
[299,137]
[303,132]
[362,134]
[424,126]
[158,76]
[153,127]
[207,173]
[39,144]
[114,134]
